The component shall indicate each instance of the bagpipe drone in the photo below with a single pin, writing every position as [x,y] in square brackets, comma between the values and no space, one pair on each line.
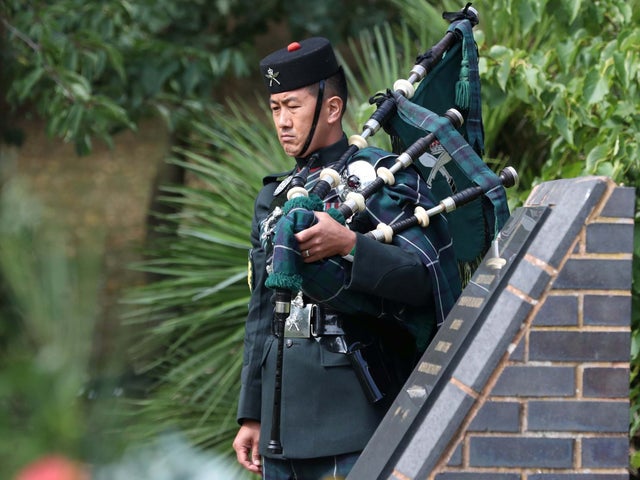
[412,195]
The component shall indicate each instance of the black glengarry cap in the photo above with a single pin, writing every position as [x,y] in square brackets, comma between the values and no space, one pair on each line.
[299,65]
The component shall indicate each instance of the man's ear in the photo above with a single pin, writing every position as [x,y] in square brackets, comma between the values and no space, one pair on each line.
[334,109]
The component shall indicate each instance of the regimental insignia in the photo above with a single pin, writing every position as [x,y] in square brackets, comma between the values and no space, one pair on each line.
[298,323]
[435,159]
[436,148]
[271,75]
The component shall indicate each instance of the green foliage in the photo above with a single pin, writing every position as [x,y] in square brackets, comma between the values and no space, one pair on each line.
[380,56]
[48,296]
[569,72]
[99,69]
[328,19]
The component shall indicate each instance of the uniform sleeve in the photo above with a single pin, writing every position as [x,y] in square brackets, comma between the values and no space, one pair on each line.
[389,272]
[259,318]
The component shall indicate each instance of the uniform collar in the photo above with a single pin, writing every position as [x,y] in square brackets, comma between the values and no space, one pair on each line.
[326,155]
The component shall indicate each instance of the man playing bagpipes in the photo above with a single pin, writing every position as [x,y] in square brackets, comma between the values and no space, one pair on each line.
[359,312]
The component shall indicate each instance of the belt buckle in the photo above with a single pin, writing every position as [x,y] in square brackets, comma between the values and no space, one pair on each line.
[298,323]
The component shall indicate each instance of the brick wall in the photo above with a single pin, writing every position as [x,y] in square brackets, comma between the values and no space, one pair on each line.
[537,387]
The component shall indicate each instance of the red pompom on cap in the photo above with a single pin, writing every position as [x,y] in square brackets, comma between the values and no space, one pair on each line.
[293,47]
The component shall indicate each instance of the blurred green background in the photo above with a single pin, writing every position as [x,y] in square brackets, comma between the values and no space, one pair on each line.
[133,140]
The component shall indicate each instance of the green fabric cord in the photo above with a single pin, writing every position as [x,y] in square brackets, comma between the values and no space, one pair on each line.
[287,281]
[463,91]
[313,203]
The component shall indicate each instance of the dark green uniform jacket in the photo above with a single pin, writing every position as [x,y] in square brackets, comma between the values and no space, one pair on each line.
[324,409]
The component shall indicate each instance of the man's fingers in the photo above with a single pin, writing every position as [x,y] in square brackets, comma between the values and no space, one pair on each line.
[249,460]
[246,447]
[242,453]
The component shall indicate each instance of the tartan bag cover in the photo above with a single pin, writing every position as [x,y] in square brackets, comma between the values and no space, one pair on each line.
[455,82]
[471,228]
[326,281]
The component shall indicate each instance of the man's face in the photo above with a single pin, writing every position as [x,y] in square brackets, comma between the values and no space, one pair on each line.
[292,114]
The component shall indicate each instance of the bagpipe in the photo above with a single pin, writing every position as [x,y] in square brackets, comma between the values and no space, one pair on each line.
[413,198]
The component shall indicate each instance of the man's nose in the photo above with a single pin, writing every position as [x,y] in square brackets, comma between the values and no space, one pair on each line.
[283,119]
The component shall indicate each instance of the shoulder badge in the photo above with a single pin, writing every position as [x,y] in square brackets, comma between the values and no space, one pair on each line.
[250,272]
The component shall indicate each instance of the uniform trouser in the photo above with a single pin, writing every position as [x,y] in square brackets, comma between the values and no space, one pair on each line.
[324,468]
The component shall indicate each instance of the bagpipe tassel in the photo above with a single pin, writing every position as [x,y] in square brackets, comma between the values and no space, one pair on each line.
[463,86]
[463,91]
